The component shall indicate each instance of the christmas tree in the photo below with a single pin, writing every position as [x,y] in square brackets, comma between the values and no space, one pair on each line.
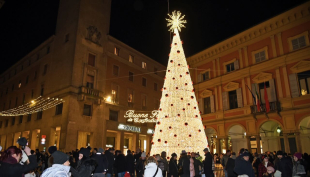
[179,126]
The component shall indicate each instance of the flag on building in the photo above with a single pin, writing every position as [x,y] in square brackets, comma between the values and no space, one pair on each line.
[266,98]
[252,94]
[257,100]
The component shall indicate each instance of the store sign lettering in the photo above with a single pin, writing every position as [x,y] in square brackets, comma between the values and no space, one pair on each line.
[129,128]
[141,117]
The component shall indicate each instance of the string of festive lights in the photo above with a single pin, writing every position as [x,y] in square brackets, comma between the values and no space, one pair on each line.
[36,105]
[179,125]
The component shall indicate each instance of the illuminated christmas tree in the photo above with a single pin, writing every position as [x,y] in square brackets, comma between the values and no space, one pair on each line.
[179,126]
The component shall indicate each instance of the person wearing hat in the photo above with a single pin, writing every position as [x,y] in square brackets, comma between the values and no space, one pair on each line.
[163,155]
[184,162]
[230,165]
[140,165]
[102,165]
[130,163]
[61,166]
[262,167]
[109,155]
[51,150]
[173,167]
[270,172]
[284,165]
[299,166]
[207,164]
[243,166]
[85,165]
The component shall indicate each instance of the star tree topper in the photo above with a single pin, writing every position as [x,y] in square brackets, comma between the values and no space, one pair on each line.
[176,21]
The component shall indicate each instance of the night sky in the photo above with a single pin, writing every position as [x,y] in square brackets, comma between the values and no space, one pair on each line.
[25,24]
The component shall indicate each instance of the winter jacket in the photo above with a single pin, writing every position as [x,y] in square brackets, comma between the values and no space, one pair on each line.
[173,168]
[140,167]
[130,163]
[262,168]
[224,160]
[86,166]
[110,160]
[150,170]
[10,167]
[102,164]
[120,163]
[165,163]
[184,163]
[243,167]
[230,165]
[285,166]
[57,170]
[299,169]
[137,157]
[197,163]
[207,164]
[161,164]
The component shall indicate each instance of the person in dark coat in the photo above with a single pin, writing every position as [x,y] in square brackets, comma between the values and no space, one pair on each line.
[9,162]
[284,165]
[243,166]
[141,165]
[207,164]
[120,164]
[137,156]
[109,155]
[173,167]
[197,163]
[184,163]
[130,163]
[85,165]
[102,165]
[230,165]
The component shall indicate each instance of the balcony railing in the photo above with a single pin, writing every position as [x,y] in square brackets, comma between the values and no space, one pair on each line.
[274,107]
[91,92]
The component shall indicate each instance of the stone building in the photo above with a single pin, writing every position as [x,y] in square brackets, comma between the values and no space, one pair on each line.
[275,54]
[97,76]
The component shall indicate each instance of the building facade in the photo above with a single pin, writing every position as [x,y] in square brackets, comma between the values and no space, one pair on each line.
[98,77]
[274,54]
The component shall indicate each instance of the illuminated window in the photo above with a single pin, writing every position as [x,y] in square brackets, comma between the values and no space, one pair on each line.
[20,84]
[206,105]
[304,82]
[143,65]
[233,100]
[116,51]
[115,94]
[91,59]
[131,58]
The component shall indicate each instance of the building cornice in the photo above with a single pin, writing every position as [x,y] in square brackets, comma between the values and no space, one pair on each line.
[296,16]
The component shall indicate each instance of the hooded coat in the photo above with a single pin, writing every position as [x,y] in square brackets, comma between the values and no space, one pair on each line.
[207,164]
[150,170]
[130,163]
[285,166]
[120,163]
[230,165]
[56,170]
[173,168]
[184,163]
[243,167]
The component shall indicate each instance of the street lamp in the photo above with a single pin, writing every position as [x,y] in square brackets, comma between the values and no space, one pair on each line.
[278,130]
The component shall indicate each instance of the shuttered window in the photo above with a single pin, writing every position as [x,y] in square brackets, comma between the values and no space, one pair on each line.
[299,42]
[91,59]
[260,56]
[233,101]
[304,82]
[206,105]
[90,81]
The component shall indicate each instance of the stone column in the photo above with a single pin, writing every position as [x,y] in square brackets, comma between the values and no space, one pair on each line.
[120,139]
[136,142]
[258,143]
[298,142]
[286,144]
[248,142]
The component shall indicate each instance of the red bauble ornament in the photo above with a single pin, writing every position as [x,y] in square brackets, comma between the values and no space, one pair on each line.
[161,89]
[192,97]
[196,116]
[171,61]
[188,104]
[169,70]
[168,157]
[185,83]
[175,44]
[187,66]
[159,140]
[175,135]
[160,109]
[199,130]
[199,112]
[166,95]
[173,78]
[174,34]
[152,142]
[181,42]
[164,88]
[158,123]
[160,130]
[178,144]
[166,116]
[166,142]
[171,104]
[169,54]
[178,51]
[179,64]
[194,107]
[189,135]
[187,72]
[179,115]
[204,127]
[181,98]
[165,78]
[186,124]
[180,75]
[177,88]
[170,127]
[183,109]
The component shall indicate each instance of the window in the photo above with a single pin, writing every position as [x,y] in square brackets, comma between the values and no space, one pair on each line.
[20,84]
[6,122]
[27,79]
[12,87]
[39,115]
[42,90]
[130,76]
[66,38]
[143,81]
[48,49]
[131,58]
[298,43]
[115,94]
[20,119]
[115,70]
[113,115]
[90,81]
[32,93]
[35,75]
[155,71]
[143,65]
[304,82]
[13,120]
[28,117]
[44,70]
[116,51]
[233,101]
[87,110]
[155,86]
[260,56]
[144,99]
[230,67]
[206,105]
[59,109]
[205,76]
[130,97]
[91,59]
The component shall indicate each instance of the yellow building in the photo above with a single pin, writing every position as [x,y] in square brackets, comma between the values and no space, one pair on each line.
[275,53]
[97,76]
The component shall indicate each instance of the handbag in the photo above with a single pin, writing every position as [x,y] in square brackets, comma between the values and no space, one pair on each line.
[180,171]
[156,172]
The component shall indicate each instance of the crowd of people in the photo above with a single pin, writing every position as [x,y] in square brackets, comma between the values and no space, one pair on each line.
[87,162]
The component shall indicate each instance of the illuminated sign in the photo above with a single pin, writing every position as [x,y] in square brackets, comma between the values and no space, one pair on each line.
[43,139]
[142,117]
[150,131]
[129,128]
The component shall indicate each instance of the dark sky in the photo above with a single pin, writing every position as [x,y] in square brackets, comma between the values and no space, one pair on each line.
[25,24]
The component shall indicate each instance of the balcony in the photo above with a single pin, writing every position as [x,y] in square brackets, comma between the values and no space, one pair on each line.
[274,107]
[90,93]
